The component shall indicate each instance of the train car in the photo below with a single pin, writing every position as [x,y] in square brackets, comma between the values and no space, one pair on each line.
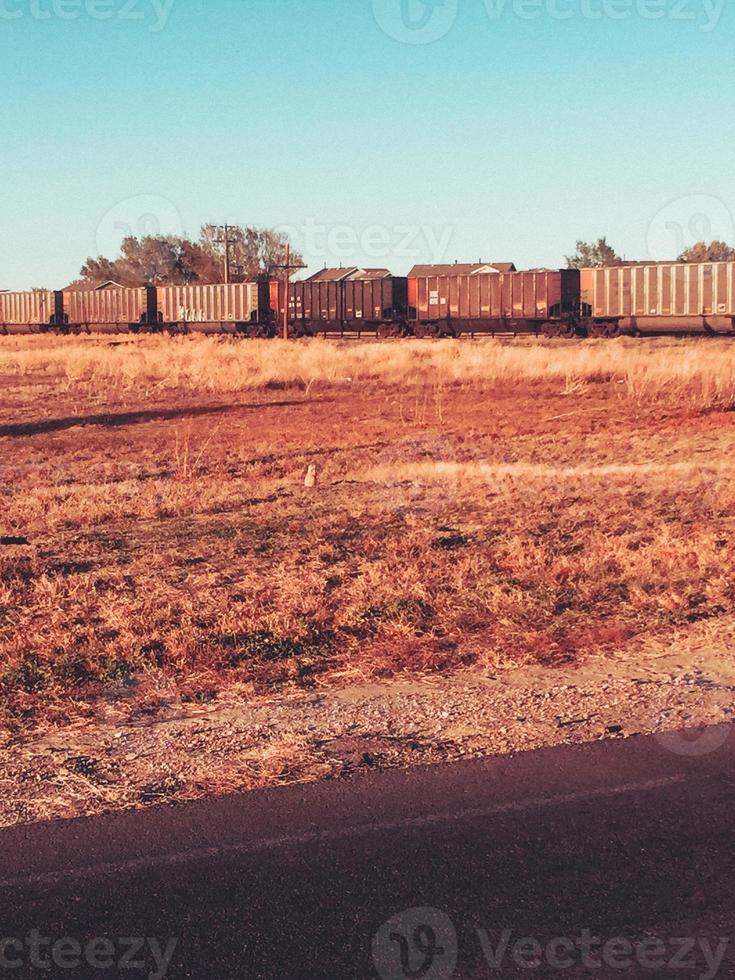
[113,309]
[660,298]
[434,301]
[31,312]
[448,301]
[238,308]
[347,301]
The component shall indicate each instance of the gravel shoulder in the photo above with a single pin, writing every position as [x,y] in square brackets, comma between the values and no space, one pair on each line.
[686,683]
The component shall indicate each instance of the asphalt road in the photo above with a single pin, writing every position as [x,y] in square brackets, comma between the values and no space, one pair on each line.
[621,853]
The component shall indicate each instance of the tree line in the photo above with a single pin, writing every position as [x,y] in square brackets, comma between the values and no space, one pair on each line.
[172,260]
[160,260]
[600,254]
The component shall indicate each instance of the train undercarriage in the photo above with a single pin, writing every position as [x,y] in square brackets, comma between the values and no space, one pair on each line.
[567,329]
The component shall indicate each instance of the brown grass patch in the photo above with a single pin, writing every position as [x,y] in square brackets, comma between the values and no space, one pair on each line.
[478,504]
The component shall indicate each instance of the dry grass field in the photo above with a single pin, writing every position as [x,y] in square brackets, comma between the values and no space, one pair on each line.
[478,504]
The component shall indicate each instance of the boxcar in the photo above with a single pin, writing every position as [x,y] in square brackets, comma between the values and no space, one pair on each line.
[237,308]
[30,312]
[494,302]
[660,298]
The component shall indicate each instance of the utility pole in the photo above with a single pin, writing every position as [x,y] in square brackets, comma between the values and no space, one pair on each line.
[286,280]
[225,240]
[288,267]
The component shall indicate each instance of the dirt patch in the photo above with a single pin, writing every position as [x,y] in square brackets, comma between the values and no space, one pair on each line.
[92,768]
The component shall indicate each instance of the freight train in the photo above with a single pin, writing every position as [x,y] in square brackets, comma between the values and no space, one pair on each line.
[432,301]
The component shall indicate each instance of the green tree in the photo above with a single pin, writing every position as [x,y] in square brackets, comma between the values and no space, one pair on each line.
[154,260]
[714,252]
[99,270]
[593,255]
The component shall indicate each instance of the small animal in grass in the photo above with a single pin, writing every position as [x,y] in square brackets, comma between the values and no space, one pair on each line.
[311,479]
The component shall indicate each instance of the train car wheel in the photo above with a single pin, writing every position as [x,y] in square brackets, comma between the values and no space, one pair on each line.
[550,330]
[613,331]
[298,332]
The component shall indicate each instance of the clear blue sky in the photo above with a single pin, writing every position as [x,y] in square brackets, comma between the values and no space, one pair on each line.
[524,126]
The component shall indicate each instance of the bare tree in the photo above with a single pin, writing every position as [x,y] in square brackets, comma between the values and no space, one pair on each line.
[253,251]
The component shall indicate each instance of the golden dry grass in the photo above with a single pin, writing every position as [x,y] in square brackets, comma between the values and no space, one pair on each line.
[701,373]
[478,504]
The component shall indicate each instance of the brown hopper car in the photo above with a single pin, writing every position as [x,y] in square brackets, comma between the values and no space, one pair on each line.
[113,310]
[494,302]
[347,301]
